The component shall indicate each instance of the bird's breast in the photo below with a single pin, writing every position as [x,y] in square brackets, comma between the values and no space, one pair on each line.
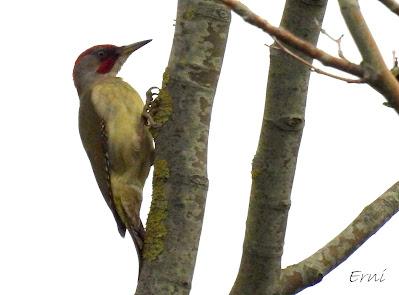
[121,107]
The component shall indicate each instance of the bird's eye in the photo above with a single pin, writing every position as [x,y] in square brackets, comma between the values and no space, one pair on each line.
[101,53]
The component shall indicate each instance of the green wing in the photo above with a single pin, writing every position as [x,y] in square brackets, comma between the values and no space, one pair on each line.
[93,136]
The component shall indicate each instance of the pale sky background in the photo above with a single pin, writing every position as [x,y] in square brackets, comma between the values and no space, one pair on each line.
[57,234]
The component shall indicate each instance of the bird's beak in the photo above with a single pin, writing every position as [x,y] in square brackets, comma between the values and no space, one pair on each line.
[129,49]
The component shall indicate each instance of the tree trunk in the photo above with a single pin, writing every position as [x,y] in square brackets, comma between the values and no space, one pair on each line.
[180,177]
[275,160]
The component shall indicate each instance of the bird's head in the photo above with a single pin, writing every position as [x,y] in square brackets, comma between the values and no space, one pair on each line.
[99,61]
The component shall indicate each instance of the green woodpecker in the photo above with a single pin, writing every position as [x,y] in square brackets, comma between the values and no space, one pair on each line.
[114,133]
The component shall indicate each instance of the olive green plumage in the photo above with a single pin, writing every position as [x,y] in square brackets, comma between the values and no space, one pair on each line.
[119,147]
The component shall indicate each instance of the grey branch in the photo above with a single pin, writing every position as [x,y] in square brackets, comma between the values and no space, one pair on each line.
[310,271]
[273,167]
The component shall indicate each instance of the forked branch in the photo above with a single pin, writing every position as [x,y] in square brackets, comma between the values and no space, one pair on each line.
[311,66]
[338,41]
[378,74]
[293,41]
[373,69]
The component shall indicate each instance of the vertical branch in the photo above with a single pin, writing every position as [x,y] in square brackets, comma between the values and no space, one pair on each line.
[180,177]
[274,164]
[380,76]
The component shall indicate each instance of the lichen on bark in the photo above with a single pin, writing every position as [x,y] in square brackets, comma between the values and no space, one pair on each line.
[156,229]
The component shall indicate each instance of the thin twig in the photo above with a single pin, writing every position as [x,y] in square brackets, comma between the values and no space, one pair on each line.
[293,41]
[336,40]
[312,67]
[392,5]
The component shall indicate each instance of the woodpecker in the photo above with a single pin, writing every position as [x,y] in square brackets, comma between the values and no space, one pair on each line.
[114,133]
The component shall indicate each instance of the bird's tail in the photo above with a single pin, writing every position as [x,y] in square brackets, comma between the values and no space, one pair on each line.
[138,240]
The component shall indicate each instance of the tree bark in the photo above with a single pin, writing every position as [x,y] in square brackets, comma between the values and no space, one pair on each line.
[180,177]
[275,160]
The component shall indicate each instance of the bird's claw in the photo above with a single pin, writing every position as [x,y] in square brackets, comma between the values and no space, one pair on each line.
[151,95]
[150,120]
[150,107]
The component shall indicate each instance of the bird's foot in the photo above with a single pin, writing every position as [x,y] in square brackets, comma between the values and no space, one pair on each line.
[150,107]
